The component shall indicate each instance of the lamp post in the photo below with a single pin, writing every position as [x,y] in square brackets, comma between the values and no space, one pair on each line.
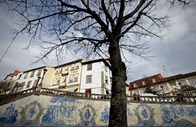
[38,78]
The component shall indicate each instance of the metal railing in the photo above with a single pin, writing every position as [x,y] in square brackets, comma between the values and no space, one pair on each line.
[145,99]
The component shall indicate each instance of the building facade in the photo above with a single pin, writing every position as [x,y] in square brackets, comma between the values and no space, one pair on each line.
[138,86]
[96,77]
[33,78]
[170,86]
[68,76]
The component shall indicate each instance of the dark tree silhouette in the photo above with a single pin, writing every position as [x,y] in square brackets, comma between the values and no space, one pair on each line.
[105,27]
[5,86]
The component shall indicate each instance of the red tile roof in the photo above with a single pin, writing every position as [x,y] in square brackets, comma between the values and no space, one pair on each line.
[159,79]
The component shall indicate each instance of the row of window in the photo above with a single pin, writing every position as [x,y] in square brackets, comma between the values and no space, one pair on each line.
[65,70]
[183,83]
[32,74]
[144,83]
[72,78]
[28,84]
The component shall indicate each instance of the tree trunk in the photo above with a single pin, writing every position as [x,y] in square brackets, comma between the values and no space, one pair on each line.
[118,104]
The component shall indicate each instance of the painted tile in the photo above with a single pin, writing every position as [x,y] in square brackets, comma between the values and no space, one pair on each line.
[10,115]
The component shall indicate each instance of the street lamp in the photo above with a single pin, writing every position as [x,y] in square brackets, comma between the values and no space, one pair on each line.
[38,78]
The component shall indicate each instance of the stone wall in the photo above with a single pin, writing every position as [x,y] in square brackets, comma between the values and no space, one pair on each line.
[42,110]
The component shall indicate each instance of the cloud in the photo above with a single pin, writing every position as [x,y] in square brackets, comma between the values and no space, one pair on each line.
[176,50]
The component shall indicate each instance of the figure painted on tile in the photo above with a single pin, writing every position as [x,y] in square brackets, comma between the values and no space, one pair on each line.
[87,116]
[10,115]
[105,115]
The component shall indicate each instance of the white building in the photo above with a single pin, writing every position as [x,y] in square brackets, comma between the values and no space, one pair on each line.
[33,78]
[96,77]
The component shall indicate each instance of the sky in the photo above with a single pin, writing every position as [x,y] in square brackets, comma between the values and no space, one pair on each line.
[173,54]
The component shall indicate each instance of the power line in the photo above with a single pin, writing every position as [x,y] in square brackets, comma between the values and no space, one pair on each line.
[8,47]
[6,51]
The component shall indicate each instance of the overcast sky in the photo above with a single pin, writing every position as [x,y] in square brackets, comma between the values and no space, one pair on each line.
[173,54]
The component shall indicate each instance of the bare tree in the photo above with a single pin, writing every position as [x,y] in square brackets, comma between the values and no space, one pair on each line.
[5,86]
[105,27]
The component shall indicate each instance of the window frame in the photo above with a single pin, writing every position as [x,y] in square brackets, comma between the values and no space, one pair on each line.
[32,74]
[39,72]
[26,75]
[89,66]
[193,82]
[28,84]
[75,77]
[88,79]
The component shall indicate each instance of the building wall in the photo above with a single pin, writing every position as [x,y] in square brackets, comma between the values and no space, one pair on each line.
[23,79]
[42,110]
[66,74]
[48,77]
[99,72]
[29,79]
[168,87]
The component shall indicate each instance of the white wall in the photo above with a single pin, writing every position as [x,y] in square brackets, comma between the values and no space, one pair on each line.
[95,86]
[32,79]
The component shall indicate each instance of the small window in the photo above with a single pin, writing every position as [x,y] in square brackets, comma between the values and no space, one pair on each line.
[75,77]
[39,73]
[89,66]
[106,79]
[77,66]
[193,83]
[134,85]
[89,79]
[65,70]
[28,84]
[182,84]
[73,67]
[71,78]
[106,68]
[111,80]
[21,86]
[153,80]
[143,83]
[58,71]
[64,79]
[56,81]
[32,74]
[26,75]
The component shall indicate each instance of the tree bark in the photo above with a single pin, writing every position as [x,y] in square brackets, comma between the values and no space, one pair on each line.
[118,103]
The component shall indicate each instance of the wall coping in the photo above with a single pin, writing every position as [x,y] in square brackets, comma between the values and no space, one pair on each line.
[6,98]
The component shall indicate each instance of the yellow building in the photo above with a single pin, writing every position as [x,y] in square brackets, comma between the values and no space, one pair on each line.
[68,76]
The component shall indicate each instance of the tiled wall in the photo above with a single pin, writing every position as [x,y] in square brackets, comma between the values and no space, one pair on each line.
[65,112]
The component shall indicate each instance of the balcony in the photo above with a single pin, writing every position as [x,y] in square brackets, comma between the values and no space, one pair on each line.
[62,85]
[64,73]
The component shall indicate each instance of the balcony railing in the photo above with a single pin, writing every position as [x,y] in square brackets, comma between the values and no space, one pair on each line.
[144,99]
